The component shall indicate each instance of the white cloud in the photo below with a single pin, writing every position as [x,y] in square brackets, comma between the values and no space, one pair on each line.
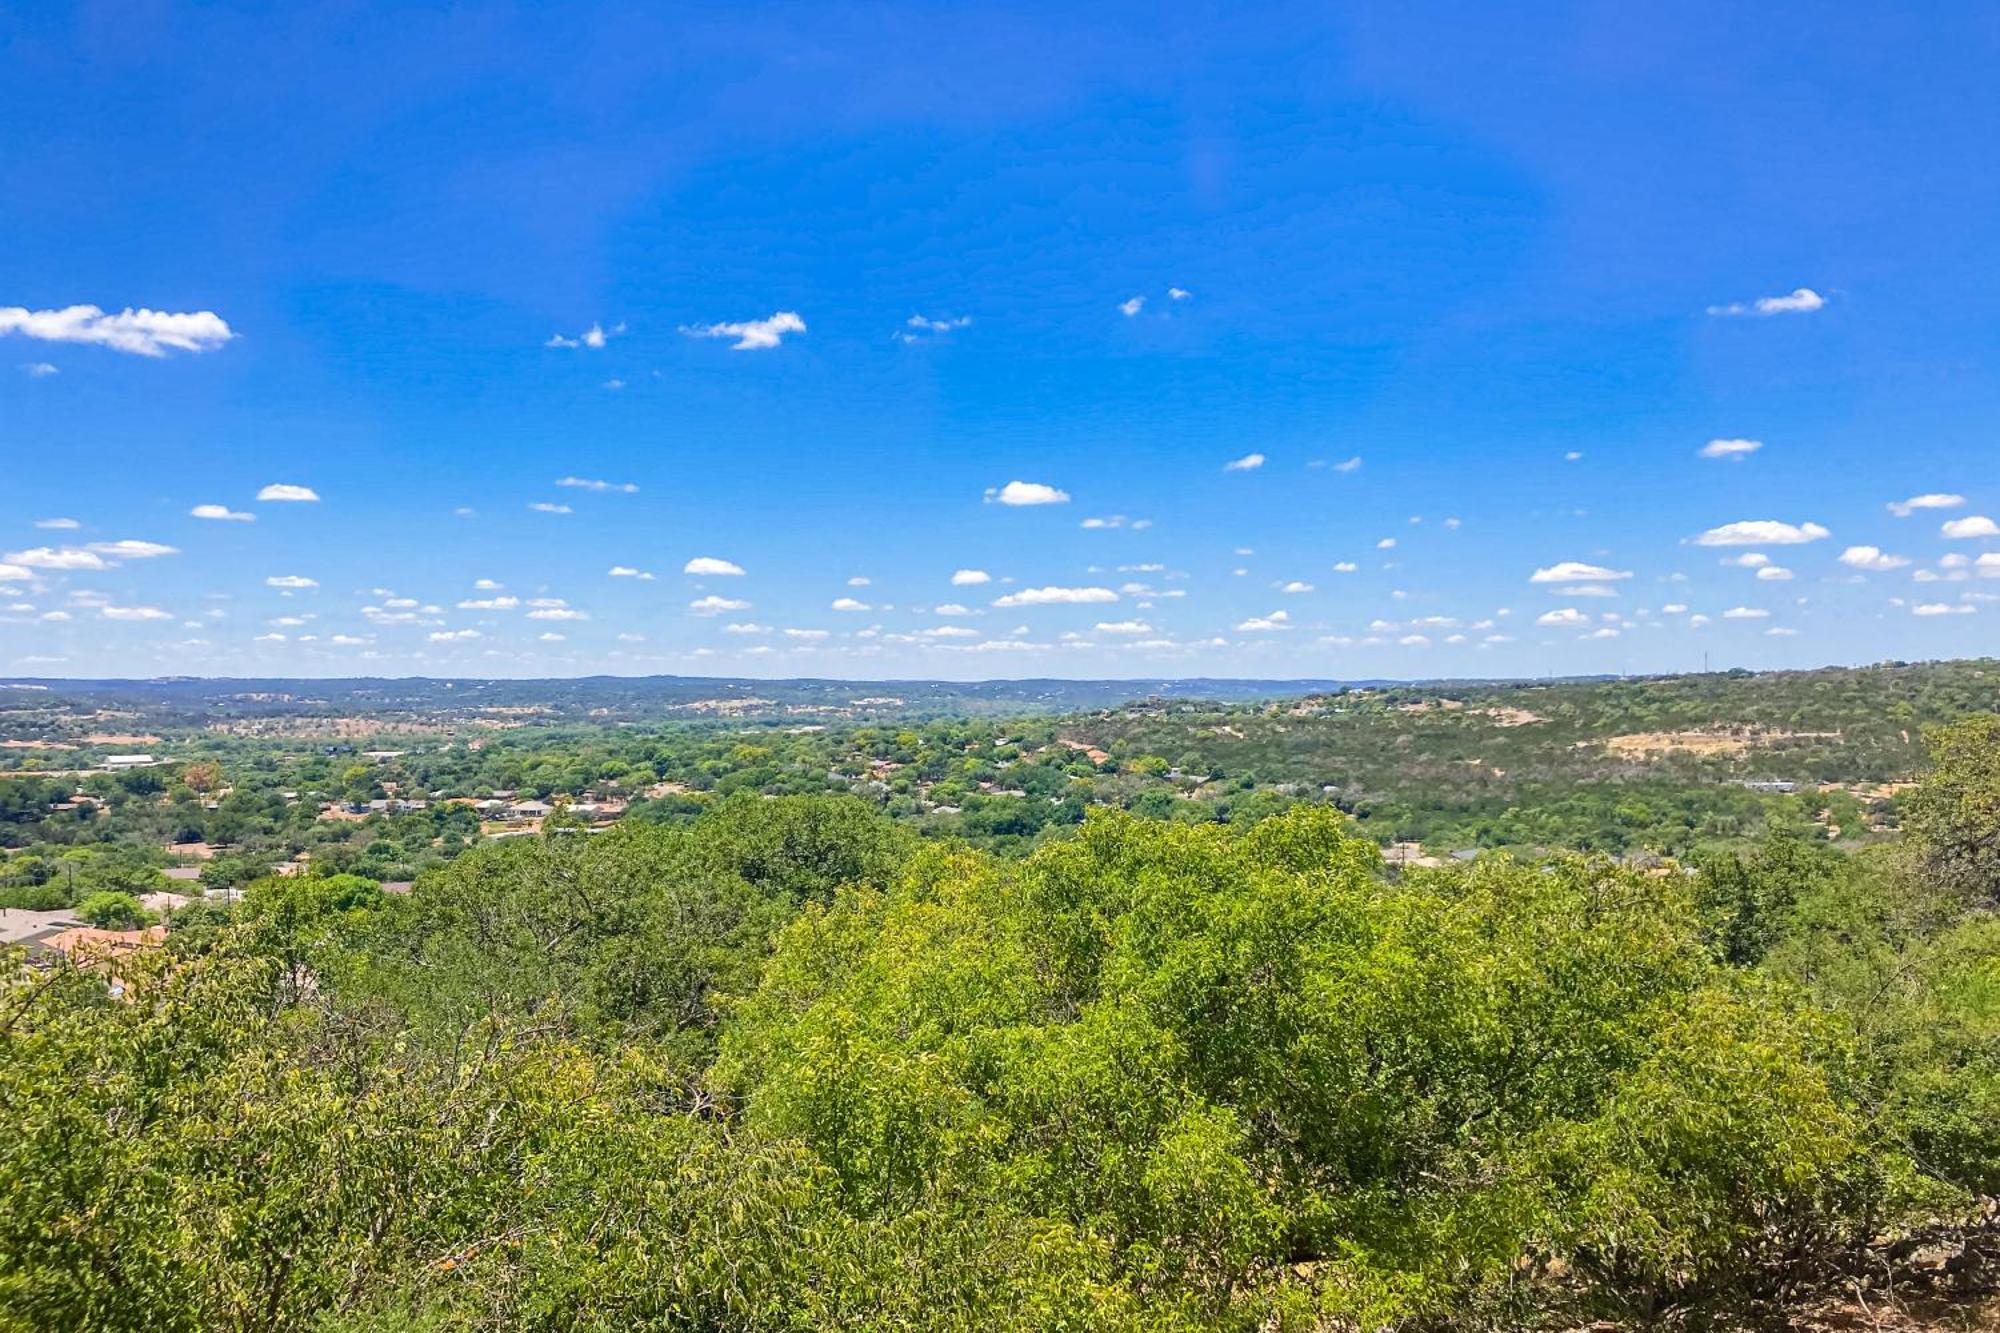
[859,581]
[1747,560]
[134,613]
[489,604]
[1746,613]
[1774,574]
[128,549]
[284,492]
[13,573]
[1576,571]
[549,636]
[963,577]
[1277,620]
[589,484]
[1296,586]
[56,557]
[628,572]
[1602,632]
[712,565]
[58,524]
[1131,307]
[1761,532]
[544,507]
[811,635]
[1026,493]
[1386,544]
[1872,558]
[1056,597]
[1348,465]
[1247,463]
[945,325]
[746,627]
[1934,500]
[488,585]
[558,613]
[1973,525]
[1800,301]
[290,581]
[453,635]
[712,605]
[752,334]
[1123,627]
[141,332]
[40,370]
[221,514]
[1942,609]
[849,604]
[593,337]
[1733,450]
[1568,615]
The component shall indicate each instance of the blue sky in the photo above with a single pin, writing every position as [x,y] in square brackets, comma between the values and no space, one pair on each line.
[1465,295]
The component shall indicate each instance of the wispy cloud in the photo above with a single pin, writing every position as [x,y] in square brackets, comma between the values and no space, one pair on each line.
[140,332]
[58,524]
[594,337]
[1247,463]
[588,484]
[1577,571]
[1761,532]
[1053,596]
[916,326]
[545,507]
[40,370]
[129,549]
[1800,301]
[1934,500]
[1734,451]
[712,605]
[1132,306]
[56,558]
[290,581]
[752,334]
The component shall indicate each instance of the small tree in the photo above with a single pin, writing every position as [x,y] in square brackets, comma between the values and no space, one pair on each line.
[110,910]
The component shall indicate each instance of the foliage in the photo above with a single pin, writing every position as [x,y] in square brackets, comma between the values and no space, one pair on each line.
[795,1061]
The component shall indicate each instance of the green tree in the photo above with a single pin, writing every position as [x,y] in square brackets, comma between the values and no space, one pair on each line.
[111,910]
